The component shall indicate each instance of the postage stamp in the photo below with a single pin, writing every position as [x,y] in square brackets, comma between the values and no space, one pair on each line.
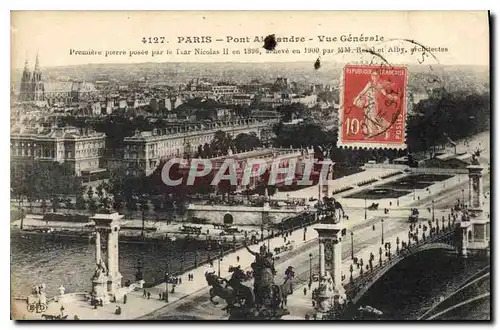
[372,112]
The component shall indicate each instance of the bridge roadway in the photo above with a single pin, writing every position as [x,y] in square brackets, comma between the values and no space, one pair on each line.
[366,240]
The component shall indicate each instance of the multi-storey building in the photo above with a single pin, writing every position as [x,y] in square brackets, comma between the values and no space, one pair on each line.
[145,150]
[81,149]
[224,91]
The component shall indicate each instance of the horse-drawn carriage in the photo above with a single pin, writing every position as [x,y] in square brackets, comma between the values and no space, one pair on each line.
[413,216]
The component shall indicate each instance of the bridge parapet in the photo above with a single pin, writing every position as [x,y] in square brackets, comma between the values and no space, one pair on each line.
[360,284]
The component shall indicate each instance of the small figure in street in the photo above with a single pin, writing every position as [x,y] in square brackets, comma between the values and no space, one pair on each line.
[62,310]
[237,258]
[125,299]
[180,280]
[144,294]
[149,294]
[160,296]
[305,291]
[62,290]
[118,310]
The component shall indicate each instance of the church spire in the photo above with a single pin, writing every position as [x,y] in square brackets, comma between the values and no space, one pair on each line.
[37,73]
[37,63]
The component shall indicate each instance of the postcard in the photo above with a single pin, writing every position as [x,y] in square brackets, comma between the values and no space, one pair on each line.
[246,165]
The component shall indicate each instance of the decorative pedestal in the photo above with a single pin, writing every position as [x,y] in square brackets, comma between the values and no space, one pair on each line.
[465,227]
[100,289]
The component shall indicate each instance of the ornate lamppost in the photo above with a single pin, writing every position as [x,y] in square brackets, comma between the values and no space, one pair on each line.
[365,210]
[310,269]
[433,217]
[167,275]
[382,226]
[352,245]
[220,257]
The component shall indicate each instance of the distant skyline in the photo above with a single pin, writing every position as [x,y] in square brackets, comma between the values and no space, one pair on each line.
[53,34]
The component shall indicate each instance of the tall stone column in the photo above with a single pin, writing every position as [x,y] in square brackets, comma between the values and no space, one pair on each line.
[321,258]
[98,256]
[337,264]
[114,273]
[470,191]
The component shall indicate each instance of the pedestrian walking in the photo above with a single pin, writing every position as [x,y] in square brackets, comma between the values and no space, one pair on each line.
[125,299]
[144,293]
[149,294]
[305,291]
[159,295]
[180,280]
[237,258]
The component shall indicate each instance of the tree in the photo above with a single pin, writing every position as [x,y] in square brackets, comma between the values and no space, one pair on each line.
[292,111]
[245,142]
[221,143]
[92,206]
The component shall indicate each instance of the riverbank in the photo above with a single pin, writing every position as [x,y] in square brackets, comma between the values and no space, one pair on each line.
[132,230]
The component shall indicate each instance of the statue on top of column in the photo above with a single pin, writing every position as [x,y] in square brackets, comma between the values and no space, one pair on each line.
[475,156]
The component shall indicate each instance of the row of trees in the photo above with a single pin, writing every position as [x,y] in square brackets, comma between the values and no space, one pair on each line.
[454,115]
[45,182]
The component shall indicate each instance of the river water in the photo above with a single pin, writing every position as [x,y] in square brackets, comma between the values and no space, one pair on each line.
[419,282]
[70,262]
[405,292]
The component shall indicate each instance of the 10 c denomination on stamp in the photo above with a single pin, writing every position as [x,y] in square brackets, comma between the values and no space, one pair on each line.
[372,110]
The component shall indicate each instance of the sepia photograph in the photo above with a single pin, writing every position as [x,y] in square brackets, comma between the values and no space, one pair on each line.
[246,165]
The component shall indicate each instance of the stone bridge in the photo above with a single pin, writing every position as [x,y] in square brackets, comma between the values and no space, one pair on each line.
[359,285]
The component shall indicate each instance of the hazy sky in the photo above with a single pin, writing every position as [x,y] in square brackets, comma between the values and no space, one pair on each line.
[53,34]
